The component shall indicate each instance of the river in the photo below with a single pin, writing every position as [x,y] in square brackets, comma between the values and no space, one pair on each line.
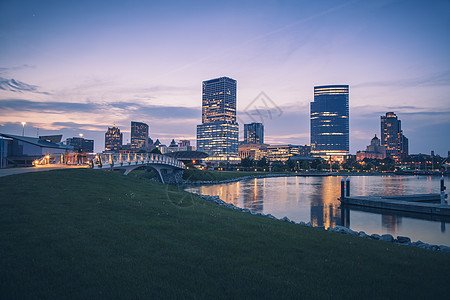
[314,199]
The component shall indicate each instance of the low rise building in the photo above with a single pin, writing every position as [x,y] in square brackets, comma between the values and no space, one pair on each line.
[373,151]
[23,150]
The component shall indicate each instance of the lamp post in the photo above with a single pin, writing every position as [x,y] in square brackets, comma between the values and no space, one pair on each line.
[23,128]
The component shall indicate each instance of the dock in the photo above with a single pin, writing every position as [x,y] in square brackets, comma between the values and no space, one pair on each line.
[408,203]
[429,204]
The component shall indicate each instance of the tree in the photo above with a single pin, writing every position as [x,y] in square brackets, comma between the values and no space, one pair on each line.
[305,165]
[290,165]
[156,151]
[262,163]
[247,162]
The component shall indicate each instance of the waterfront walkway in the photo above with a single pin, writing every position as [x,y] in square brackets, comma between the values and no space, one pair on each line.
[12,171]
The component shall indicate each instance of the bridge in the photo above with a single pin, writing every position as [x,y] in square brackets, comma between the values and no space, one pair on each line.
[168,170]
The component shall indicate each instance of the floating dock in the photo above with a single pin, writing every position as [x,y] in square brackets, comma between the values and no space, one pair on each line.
[412,203]
[430,204]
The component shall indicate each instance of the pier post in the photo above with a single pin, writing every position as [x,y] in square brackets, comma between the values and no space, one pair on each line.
[347,187]
[342,189]
[443,188]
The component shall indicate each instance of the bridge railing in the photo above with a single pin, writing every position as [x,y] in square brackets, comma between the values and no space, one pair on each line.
[102,160]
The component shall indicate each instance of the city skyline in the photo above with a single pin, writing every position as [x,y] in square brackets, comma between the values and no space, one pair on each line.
[124,62]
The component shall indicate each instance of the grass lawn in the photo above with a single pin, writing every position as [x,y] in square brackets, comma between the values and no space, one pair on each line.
[85,233]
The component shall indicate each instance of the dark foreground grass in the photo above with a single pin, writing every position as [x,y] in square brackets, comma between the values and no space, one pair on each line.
[81,234]
[205,175]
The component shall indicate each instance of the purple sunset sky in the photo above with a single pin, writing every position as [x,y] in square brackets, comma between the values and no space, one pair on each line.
[81,66]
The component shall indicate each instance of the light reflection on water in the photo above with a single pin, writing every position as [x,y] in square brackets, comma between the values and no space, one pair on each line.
[314,199]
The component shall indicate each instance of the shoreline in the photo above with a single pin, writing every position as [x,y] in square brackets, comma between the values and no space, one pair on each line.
[270,175]
[400,240]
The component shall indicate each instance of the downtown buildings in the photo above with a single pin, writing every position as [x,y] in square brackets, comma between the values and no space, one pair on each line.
[330,122]
[373,151]
[392,137]
[218,134]
[254,133]
[113,139]
[81,144]
[139,136]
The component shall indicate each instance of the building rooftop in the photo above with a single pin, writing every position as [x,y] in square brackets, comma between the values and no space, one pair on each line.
[35,141]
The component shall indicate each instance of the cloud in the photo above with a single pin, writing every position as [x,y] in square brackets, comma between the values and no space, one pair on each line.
[436,79]
[16,86]
[45,107]
[133,110]
[5,70]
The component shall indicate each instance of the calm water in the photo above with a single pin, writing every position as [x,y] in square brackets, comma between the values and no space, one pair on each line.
[314,199]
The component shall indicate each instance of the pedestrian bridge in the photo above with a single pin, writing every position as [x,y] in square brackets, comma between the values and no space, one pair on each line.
[168,169]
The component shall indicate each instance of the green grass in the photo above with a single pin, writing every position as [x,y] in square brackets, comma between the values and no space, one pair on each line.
[85,233]
[204,175]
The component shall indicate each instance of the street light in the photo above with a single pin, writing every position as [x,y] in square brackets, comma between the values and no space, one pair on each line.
[23,128]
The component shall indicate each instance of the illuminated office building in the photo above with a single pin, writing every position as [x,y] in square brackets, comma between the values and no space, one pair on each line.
[392,137]
[81,144]
[330,121]
[219,131]
[254,133]
[139,136]
[113,139]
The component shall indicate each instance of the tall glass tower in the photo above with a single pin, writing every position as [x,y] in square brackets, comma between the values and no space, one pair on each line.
[139,136]
[219,131]
[254,133]
[392,137]
[330,121]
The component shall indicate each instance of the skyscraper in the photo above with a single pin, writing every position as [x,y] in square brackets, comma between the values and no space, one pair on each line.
[113,139]
[139,136]
[392,137]
[218,133]
[254,133]
[330,121]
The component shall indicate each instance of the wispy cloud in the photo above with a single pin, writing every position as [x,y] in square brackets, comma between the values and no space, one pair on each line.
[436,79]
[17,86]
[6,70]
[127,109]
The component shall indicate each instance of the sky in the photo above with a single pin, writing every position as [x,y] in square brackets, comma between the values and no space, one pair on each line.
[71,67]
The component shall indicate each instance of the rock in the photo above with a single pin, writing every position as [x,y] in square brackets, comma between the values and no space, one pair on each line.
[302,223]
[270,216]
[417,244]
[309,224]
[375,236]
[320,227]
[363,235]
[387,238]
[403,240]
[434,247]
[424,246]
[345,230]
[443,248]
[285,219]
